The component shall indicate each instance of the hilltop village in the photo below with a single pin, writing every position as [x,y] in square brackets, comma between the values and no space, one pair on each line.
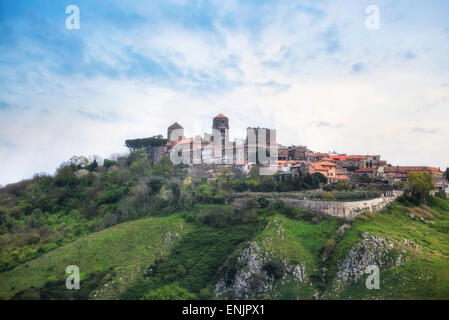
[204,217]
[207,154]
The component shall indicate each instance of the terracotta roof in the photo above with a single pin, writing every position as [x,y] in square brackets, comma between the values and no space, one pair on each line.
[221,116]
[356,157]
[405,169]
[327,164]
[340,158]
[317,167]
[286,162]
[343,157]
[190,140]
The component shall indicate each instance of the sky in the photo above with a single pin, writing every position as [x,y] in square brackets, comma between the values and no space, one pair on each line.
[310,69]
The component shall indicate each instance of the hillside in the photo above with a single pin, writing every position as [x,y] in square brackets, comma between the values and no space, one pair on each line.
[120,252]
[274,252]
[414,263]
[143,230]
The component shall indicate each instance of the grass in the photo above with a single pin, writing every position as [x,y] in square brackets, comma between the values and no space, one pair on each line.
[127,248]
[167,257]
[425,275]
[299,241]
[194,263]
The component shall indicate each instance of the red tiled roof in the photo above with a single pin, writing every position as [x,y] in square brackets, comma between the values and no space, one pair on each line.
[190,140]
[340,158]
[221,116]
[405,169]
[318,167]
[356,157]
[286,162]
[327,164]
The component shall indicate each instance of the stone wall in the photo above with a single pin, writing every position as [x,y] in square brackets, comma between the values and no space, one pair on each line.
[339,209]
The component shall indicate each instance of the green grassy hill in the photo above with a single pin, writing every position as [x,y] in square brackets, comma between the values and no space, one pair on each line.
[424,273]
[120,252]
[188,254]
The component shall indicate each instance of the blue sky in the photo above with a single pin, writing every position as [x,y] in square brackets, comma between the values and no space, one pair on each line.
[311,69]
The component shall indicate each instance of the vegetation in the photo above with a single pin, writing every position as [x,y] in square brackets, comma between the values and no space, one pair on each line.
[46,212]
[137,144]
[257,183]
[124,250]
[143,230]
[424,275]
[420,185]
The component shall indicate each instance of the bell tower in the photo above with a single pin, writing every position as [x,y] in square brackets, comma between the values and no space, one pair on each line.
[220,130]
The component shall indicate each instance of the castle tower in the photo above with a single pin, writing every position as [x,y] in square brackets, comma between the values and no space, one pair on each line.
[221,123]
[175,132]
[220,129]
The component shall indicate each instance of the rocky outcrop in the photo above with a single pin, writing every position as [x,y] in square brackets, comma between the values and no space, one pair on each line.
[373,250]
[255,273]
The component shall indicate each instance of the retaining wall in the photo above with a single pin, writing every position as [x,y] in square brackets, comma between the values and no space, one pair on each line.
[339,209]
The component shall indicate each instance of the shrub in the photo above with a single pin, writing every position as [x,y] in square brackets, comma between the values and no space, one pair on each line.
[65,176]
[420,185]
[316,219]
[327,195]
[239,186]
[108,163]
[328,248]
[112,195]
[340,186]
[273,268]
[224,216]
[263,202]
[441,194]
[282,208]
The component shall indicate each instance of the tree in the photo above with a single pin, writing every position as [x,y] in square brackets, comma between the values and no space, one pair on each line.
[108,163]
[320,177]
[420,185]
[145,143]
[254,173]
[65,176]
[164,168]
[93,166]
[447,174]
[224,179]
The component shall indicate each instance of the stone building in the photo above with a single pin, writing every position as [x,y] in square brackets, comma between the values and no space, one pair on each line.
[392,171]
[175,132]
[260,145]
[298,153]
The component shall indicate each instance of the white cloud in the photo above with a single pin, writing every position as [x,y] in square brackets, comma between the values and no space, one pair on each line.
[278,76]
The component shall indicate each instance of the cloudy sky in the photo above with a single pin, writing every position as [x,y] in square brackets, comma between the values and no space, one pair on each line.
[311,69]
